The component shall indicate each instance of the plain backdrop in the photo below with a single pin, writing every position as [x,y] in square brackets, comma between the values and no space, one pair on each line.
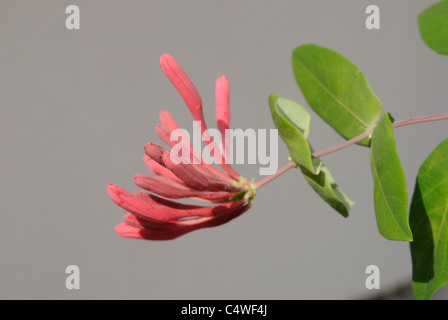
[77,107]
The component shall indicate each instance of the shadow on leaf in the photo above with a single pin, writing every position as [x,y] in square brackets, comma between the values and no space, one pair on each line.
[422,248]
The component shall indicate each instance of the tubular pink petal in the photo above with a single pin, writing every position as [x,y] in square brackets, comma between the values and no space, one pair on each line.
[195,179]
[134,221]
[183,84]
[167,120]
[137,228]
[222,94]
[150,210]
[211,211]
[188,174]
[161,187]
[226,215]
[155,152]
[223,218]
[173,191]
[218,156]
[137,222]
[157,169]
[144,179]
[161,210]
[164,132]
[210,170]
[165,135]
[126,231]
[151,198]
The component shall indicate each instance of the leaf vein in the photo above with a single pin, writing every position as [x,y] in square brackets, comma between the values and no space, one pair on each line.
[334,97]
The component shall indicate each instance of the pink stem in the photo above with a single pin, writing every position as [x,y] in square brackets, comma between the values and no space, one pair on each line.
[350,142]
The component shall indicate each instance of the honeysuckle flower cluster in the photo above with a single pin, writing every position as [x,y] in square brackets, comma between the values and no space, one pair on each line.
[154,215]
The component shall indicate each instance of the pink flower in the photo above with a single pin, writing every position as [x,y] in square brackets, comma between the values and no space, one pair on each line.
[153,216]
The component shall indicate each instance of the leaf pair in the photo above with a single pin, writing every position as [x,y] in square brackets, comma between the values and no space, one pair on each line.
[293,123]
[337,91]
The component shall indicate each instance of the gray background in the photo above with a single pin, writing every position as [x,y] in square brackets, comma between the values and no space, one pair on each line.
[78,106]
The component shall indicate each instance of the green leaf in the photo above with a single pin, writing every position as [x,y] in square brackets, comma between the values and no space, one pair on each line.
[325,186]
[390,191]
[293,124]
[429,224]
[433,24]
[336,90]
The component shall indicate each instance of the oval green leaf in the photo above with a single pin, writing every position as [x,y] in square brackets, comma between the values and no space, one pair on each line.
[433,25]
[336,90]
[390,191]
[429,224]
[293,124]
